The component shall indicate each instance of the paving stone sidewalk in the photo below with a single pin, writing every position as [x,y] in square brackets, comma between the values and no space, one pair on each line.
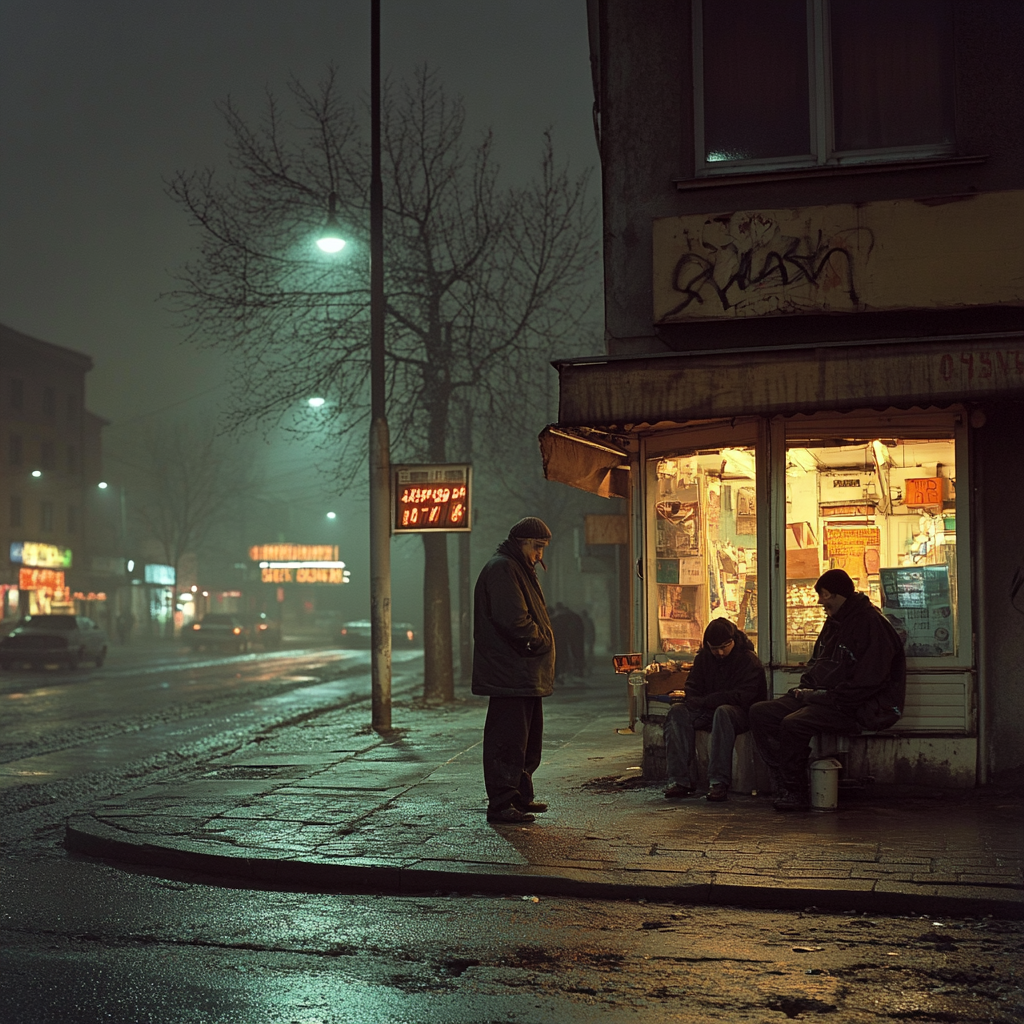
[327,804]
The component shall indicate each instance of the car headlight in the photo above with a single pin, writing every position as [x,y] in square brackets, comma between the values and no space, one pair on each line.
[236,630]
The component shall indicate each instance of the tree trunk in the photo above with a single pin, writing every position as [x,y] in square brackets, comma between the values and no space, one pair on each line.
[438,680]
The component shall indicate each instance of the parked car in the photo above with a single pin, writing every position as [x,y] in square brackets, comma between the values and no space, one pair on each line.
[357,634]
[46,639]
[265,631]
[219,630]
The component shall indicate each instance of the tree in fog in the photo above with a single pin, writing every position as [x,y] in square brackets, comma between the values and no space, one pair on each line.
[186,480]
[483,282]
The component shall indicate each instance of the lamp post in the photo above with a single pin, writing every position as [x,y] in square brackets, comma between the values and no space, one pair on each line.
[380,445]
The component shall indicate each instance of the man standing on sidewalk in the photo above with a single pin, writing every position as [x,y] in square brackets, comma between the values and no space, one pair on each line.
[726,678]
[513,665]
[856,679]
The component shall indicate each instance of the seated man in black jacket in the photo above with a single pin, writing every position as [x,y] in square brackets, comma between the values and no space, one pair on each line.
[726,678]
[856,679]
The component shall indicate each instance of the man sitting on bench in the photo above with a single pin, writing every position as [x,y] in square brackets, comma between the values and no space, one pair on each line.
[726,678]
[856,679]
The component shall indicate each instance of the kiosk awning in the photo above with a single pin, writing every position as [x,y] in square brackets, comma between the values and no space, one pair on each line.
[597,467]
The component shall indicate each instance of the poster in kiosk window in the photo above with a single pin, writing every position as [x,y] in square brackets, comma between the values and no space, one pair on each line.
[432,499]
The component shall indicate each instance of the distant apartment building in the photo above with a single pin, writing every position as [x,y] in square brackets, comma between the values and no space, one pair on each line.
[50,464]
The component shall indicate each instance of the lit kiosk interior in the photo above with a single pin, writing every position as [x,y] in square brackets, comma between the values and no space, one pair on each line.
[743,529]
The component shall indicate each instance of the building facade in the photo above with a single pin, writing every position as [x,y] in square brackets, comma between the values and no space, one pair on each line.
[50,464]
[814,277]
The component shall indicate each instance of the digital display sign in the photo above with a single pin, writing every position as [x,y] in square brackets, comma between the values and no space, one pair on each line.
[432,499]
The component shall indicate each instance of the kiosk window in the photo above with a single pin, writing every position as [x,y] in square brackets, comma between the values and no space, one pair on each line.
[703,525]
[884,510]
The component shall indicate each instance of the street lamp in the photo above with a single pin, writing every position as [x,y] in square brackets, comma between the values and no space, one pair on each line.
[330,239]
[380,445]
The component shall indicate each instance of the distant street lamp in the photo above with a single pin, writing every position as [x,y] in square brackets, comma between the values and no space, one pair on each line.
[37,473]
[316,403]
[331,241]
[332,515]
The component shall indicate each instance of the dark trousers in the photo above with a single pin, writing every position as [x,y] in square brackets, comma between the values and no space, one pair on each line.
[782,729]
[513,737]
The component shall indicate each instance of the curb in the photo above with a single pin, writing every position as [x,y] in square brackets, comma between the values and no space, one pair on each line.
[85,835]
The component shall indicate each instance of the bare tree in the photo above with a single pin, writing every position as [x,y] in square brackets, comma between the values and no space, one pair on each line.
[187,479]
[482,280]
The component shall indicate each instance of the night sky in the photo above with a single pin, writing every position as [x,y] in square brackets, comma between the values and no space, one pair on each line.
[101,101]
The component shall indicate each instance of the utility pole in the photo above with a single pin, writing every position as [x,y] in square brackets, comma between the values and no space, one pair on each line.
[380,455]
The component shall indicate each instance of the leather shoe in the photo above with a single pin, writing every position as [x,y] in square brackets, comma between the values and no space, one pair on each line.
[717,793]
[792,800]
[509,816]
[533,807]
[677,791]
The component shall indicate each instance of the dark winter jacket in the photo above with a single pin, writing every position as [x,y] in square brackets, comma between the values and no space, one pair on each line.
[859,663]
[737,679]
[513,643]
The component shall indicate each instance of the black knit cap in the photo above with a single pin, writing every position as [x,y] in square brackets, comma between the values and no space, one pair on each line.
[530,528]
[835,581]
[719,632]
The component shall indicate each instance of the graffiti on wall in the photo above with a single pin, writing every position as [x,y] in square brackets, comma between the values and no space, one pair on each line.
[953,252]
[747,265]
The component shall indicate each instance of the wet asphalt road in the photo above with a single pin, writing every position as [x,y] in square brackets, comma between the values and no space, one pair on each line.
[84,942]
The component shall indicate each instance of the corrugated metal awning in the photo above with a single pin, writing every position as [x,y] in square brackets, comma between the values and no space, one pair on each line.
[677,387]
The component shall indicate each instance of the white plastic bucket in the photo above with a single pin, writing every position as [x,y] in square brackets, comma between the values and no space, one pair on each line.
[825,784]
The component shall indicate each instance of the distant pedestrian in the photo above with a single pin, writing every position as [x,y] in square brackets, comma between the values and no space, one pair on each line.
[125,622]
[568,629]
[589,640]
[856,679]
[513,665]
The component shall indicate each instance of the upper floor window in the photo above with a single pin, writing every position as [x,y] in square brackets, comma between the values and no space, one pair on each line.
[47,455]
[16,394]
[799,83]
[15,517]
[46,516]
[14,450]
[49,403]
[72,459]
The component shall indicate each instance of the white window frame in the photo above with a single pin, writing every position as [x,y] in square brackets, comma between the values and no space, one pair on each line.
[822,135]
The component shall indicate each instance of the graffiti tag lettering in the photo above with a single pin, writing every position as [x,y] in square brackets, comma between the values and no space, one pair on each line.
[743,262]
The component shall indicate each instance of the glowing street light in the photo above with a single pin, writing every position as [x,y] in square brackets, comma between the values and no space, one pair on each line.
[103,485]
[332,515]
[37,473]
[316,403]
[330,239]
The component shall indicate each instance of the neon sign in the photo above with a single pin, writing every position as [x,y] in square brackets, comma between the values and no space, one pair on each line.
[432,499]
[294,552]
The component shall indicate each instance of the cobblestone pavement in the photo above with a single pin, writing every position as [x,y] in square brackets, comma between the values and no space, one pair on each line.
[328,804]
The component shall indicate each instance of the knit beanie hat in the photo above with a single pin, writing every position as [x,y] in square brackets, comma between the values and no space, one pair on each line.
[530,528]
[719,632]
[835,581]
